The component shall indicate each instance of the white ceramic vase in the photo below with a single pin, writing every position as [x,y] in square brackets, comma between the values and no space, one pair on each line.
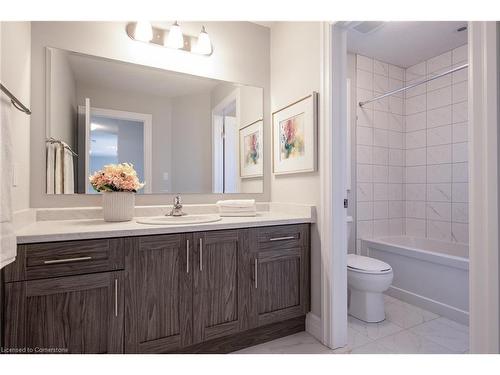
[118,206]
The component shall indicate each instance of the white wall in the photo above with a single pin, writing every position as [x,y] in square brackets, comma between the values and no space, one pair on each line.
[63,107]
[16,76]
[295,73]
[251,102]
[191,144]
[241,54]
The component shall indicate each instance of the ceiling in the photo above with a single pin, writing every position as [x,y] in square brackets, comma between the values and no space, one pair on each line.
[120,76]
[406,43]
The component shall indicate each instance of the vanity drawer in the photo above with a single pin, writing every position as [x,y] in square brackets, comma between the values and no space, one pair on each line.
[281,237]
[45,260]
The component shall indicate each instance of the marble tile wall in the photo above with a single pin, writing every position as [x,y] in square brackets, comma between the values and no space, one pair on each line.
[436,155]
[379,150]
[411,150]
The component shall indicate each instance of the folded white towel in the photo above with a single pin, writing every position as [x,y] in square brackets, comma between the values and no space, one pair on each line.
[238,214]
[237,209]
[59,169]
[68,174]
[51,167]
[238,203]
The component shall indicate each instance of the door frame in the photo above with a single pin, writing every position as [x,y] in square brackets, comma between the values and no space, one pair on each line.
[483,106]
[145,118]
[333,233]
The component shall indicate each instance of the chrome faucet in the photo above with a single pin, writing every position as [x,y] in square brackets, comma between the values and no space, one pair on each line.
[177,209]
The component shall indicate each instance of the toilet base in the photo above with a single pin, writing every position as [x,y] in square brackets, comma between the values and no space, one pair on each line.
[367,306]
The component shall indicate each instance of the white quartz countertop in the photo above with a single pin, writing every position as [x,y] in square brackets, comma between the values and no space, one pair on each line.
[67,230]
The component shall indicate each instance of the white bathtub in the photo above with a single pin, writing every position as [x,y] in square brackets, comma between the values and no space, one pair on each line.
[430,274]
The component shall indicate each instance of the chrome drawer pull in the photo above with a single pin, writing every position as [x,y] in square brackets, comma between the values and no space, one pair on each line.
[201,254]
[116,297]
[256,270]
[67,260]
[187,256]
[282,238]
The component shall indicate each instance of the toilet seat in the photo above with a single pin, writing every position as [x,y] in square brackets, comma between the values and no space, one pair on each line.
[362,264]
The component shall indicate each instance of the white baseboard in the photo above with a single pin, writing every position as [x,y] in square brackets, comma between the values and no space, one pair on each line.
[314,326]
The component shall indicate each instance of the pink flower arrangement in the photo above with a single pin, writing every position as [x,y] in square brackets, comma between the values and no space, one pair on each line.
[116,177]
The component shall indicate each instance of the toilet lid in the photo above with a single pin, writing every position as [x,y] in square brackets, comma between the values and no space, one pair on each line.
[362,263]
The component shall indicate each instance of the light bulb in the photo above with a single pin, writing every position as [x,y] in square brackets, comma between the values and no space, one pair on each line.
[143,31]
[204,45]
[175,38]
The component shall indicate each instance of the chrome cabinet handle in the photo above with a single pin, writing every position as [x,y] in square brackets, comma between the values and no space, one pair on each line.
[67,260]
[282,238]
[255,272]
[116,297]
[201,254]
[187,256]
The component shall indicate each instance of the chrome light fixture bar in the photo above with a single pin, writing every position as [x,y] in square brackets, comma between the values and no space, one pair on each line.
[160,37]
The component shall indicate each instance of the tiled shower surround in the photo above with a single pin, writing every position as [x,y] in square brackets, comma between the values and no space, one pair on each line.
[412,150]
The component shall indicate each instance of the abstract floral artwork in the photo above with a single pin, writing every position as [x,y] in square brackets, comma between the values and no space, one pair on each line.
[294,137]
[251,148]
[251,160]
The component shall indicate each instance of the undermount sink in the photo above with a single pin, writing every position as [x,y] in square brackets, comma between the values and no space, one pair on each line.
[176,220]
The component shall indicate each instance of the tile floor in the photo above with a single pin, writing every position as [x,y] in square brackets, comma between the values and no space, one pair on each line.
[407,330]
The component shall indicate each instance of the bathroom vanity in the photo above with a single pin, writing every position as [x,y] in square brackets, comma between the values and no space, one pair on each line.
[212,291]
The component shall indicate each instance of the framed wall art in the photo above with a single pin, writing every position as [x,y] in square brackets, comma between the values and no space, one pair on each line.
[295,137]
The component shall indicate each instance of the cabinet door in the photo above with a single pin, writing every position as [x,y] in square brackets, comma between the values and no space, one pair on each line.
[219,301]
[73,314]
[280,273]
[158,294]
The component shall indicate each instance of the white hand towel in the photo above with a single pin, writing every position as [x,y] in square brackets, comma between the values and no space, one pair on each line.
[238,214]
[59,169]
[239,203]
[51,167]
[68,174]
[237,209]
[7,234]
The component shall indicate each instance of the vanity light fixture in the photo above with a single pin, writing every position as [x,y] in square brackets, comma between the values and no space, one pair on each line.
[204,45]
[175,37]
[170,38]
[143,31]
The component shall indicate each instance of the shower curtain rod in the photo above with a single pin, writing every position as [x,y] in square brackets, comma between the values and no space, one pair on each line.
[15,101]
[361,104]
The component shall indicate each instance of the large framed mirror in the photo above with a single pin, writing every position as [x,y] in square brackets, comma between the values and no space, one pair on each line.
[182,133]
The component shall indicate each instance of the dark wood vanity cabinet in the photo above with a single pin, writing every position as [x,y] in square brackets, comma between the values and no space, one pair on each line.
[202,292]
[220,280]
[280,283]
[70,312]
[158,294]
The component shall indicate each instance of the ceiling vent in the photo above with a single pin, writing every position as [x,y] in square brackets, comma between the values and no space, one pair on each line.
[365,27]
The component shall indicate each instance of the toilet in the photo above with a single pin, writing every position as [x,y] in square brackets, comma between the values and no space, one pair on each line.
[367,280]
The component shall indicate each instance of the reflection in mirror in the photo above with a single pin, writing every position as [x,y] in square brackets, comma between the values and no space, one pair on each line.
[182,133]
